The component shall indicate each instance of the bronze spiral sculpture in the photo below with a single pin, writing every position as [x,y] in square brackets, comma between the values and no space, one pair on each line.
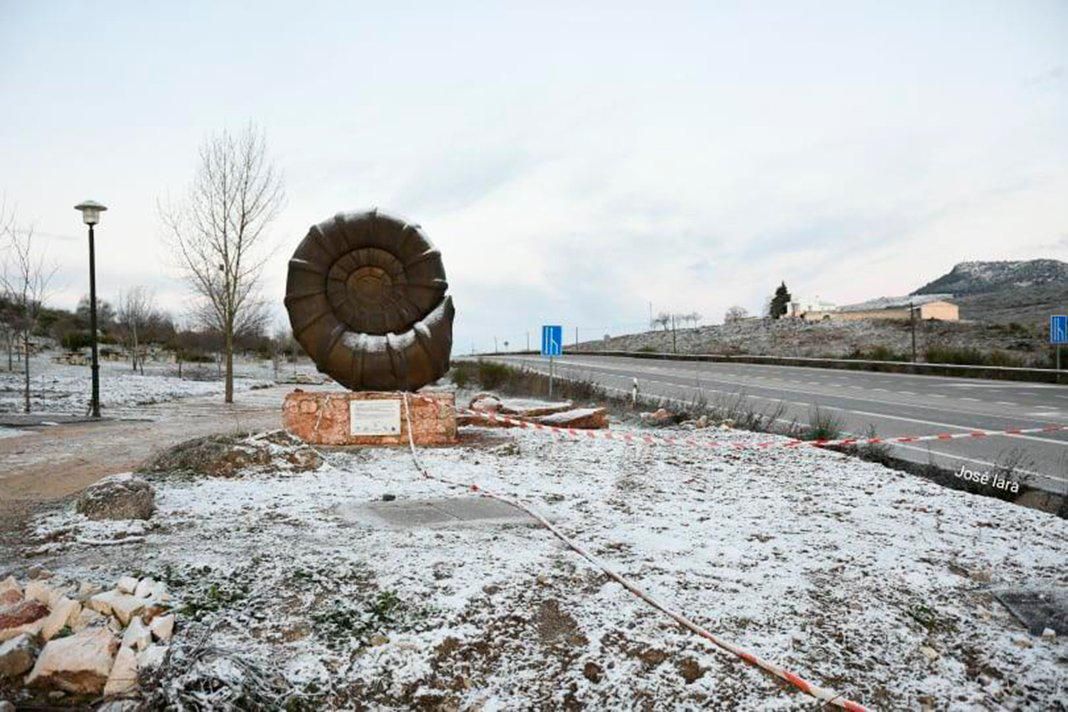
[366,299]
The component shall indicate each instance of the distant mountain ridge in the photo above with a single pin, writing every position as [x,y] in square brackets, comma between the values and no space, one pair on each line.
[968,278]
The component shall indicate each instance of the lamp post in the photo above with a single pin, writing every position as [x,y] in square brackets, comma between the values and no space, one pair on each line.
[91,210]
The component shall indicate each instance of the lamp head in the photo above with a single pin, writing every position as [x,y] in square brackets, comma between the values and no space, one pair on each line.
[90,211]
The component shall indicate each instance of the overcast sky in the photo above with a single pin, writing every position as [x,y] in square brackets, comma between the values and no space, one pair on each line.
[573,161]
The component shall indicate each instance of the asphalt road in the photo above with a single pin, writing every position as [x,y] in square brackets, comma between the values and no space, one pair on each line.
[893,404]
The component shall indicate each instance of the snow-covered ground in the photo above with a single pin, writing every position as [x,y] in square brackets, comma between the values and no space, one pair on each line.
[858,578]
[62,388]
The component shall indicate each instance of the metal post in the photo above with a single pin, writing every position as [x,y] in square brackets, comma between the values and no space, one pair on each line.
[912,318]
[551,376]
[528,341]
[92,325]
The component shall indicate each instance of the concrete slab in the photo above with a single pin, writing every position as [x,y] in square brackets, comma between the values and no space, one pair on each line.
[1037,608]
[438,512]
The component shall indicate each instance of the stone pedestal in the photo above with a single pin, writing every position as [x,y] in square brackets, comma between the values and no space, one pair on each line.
[369,417]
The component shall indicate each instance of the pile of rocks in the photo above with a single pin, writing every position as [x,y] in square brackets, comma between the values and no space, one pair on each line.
[662,417]
[81,640]
[233,455]
[561,415]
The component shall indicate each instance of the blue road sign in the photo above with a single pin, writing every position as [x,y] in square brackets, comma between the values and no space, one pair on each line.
[552,340]
[1058,329]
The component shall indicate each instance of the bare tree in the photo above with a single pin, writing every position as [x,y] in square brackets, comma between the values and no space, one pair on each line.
[24,280]
[735,313]
[8,333]
[136,311]
[8,313]
[217,232]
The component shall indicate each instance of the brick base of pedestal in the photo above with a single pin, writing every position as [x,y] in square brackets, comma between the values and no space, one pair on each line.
[323,418]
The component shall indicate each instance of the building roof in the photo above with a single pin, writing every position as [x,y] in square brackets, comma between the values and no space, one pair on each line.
[895,302]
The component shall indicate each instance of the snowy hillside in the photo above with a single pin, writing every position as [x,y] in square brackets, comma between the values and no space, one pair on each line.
[983,277]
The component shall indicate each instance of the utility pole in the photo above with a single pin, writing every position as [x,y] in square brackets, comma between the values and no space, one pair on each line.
[528,341]
[495,345]
[650,315]
[674,344]
[912,318]
[576,336]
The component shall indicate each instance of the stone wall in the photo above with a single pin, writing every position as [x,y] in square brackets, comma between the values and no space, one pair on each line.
[323,417]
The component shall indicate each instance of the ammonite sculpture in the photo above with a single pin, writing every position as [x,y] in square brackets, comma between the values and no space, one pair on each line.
[366,299]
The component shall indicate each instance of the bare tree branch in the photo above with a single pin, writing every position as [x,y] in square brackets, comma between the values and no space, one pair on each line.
[137,308]
[24,282]
[217,233]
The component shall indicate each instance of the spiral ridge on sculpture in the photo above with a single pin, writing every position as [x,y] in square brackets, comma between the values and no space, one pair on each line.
[366,296]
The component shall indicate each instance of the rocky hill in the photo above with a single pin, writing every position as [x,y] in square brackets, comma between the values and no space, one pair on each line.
[984,277]
[1026,292]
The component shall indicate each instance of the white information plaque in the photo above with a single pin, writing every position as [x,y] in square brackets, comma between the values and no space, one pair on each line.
[374,417]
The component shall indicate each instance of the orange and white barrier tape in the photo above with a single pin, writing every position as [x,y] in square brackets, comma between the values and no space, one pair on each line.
[823,694]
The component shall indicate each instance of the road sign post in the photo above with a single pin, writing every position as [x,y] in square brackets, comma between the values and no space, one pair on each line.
[1058,333]
[552,344]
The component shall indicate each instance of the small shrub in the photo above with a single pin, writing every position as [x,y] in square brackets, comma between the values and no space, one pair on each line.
[883,353]
[192,356]
[823,425]
[77,340]
[970,357]
[491,375]
[460,376]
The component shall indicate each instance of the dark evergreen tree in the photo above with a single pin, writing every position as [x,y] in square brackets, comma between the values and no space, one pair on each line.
[780,303]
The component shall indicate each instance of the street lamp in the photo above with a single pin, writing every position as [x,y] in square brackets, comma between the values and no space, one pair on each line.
[91,210]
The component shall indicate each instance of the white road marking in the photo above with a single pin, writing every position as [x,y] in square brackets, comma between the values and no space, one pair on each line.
[980,462]
[1013,384]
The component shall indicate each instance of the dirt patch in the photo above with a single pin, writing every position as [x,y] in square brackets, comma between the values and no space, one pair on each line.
[557,626]
[690,670]
[51,463]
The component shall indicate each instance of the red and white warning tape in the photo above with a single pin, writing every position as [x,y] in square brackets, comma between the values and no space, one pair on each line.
[820,693]
[651,439]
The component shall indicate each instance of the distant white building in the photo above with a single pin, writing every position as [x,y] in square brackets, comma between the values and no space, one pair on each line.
[927,307]
[799,308]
